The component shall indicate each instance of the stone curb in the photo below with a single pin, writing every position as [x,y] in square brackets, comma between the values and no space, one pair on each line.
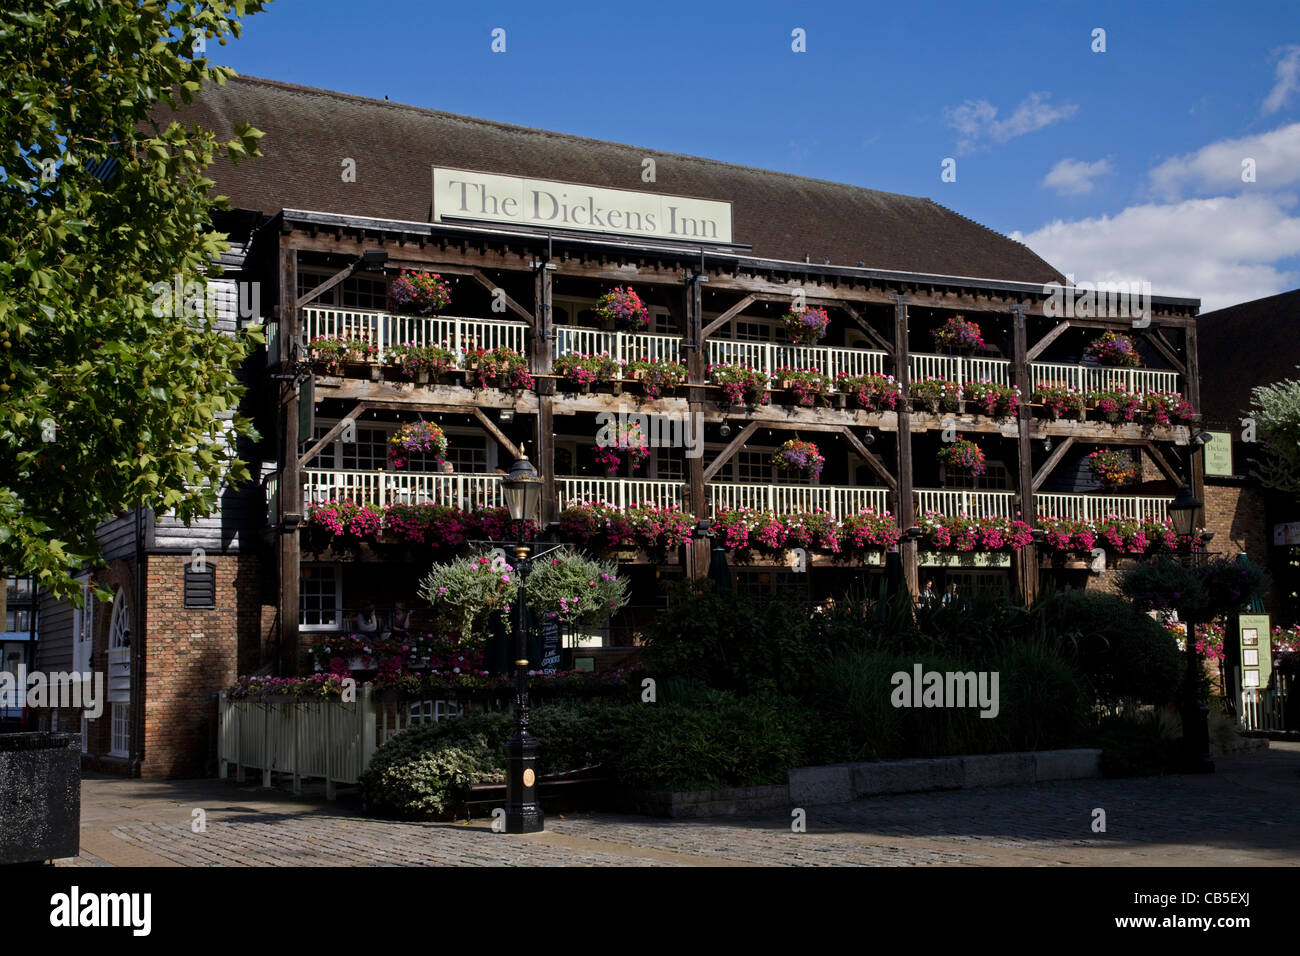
[840,783]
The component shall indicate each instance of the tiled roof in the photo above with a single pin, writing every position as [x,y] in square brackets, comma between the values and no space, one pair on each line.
[309,133]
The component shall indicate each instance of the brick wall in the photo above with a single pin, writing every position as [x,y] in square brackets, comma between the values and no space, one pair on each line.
[191,655]
[1236,516]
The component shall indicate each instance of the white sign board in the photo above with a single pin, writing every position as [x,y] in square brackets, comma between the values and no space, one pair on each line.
[486,197]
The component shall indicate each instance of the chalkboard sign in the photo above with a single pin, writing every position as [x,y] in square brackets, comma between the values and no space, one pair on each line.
[551,652]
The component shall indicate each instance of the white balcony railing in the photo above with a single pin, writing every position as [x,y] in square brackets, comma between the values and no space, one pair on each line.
[1089,378]
[977,504]
[769,356]
[383,329]
[786,499]
[381,488]
[623,346]
[1094,507]
[959,368]
[621,492]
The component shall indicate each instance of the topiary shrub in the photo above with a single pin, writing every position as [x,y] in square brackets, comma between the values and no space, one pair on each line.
[1121,653]
[1139,743]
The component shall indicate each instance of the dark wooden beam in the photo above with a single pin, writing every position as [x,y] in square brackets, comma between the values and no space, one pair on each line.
[1164,348]
[495,432]
[311,295]
[1162,463]
[1193,369]
[727,316]
[1046,340]
[1027,565]
[1052,461]
[330,435]
[726,454]
[478,276]
[873,461]
[880,341]
[290,550]
[905,505]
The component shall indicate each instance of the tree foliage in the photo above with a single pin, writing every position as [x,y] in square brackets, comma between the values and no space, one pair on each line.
[106,405]
[1276,411]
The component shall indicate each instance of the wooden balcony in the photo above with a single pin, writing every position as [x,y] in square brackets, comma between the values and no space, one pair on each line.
[1091,378]
[1094,507]
[467,491]
[620,492]
[384,329]
[977,504]
[786,499]
[769,356]
[959,368]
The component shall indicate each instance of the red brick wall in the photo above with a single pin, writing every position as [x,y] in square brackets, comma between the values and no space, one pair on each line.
[1236,516]
[191,655]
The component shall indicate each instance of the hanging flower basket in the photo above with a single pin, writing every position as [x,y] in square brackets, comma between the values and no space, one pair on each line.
[614,442]
[806,325]
[416,438]
[958,335]
[624,308]
[964,456]
[800,456]
[419,293]
[1113,348]
[1114,469]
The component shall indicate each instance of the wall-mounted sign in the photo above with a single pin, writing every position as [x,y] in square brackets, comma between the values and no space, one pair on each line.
[1256,649]
[968,559]
[1218,455]
[487,197]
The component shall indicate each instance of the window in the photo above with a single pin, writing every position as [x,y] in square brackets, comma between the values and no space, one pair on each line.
[661,323]
[119,631]
[18,588]
[368,453]
[972,583]
[753,467]
[121,731]
[668,465]
[18,619]
[355,292]
[467,452]
[320,597]
[752,331]
[996,477]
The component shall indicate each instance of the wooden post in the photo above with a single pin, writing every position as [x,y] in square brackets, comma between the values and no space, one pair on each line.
[906,506]
[1026,565]
[290,473]
[542,357]
[698,564]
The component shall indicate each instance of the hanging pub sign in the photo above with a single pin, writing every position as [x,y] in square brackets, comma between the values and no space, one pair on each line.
[460,195]
[1218,455]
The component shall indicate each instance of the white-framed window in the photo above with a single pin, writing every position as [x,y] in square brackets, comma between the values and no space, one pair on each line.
[753,467]
[119,630]
[368,453]
[320,597]
[121,736]
[996,477]
[83,630]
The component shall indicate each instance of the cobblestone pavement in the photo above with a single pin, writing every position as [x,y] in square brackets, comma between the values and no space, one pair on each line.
[1248,813]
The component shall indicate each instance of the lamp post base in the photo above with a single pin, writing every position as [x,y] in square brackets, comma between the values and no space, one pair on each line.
[1196,739]
[523,814]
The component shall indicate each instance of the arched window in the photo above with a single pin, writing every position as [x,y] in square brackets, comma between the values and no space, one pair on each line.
[120,628]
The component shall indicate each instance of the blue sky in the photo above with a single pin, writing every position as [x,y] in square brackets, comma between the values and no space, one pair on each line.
[1125,164]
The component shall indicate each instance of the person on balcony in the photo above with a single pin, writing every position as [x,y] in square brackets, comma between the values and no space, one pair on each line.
[401,621]
[368,621]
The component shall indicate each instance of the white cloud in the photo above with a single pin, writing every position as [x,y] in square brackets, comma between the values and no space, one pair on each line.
[1222,250]
[1288,79]
[1070,177]
[1217,167]
[976,120]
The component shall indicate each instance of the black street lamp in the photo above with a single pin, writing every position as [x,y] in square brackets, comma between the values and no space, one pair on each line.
[522,489]
[1196,713]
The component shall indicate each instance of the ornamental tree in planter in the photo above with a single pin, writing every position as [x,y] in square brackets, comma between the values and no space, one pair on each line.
[616,441]
[958,335]
[810,387]
[1060,401]
[875,392]
[417,438]
[936,394]
[585,370]
[657,377]
[806,325]
[963,456]
[624,308]
[740,385]
[799,456]
[1114,349]
[993,400]
[1114,469]
[419,293]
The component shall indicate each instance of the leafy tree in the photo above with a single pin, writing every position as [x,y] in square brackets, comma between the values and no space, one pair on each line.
[1276,410]
[112,395]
